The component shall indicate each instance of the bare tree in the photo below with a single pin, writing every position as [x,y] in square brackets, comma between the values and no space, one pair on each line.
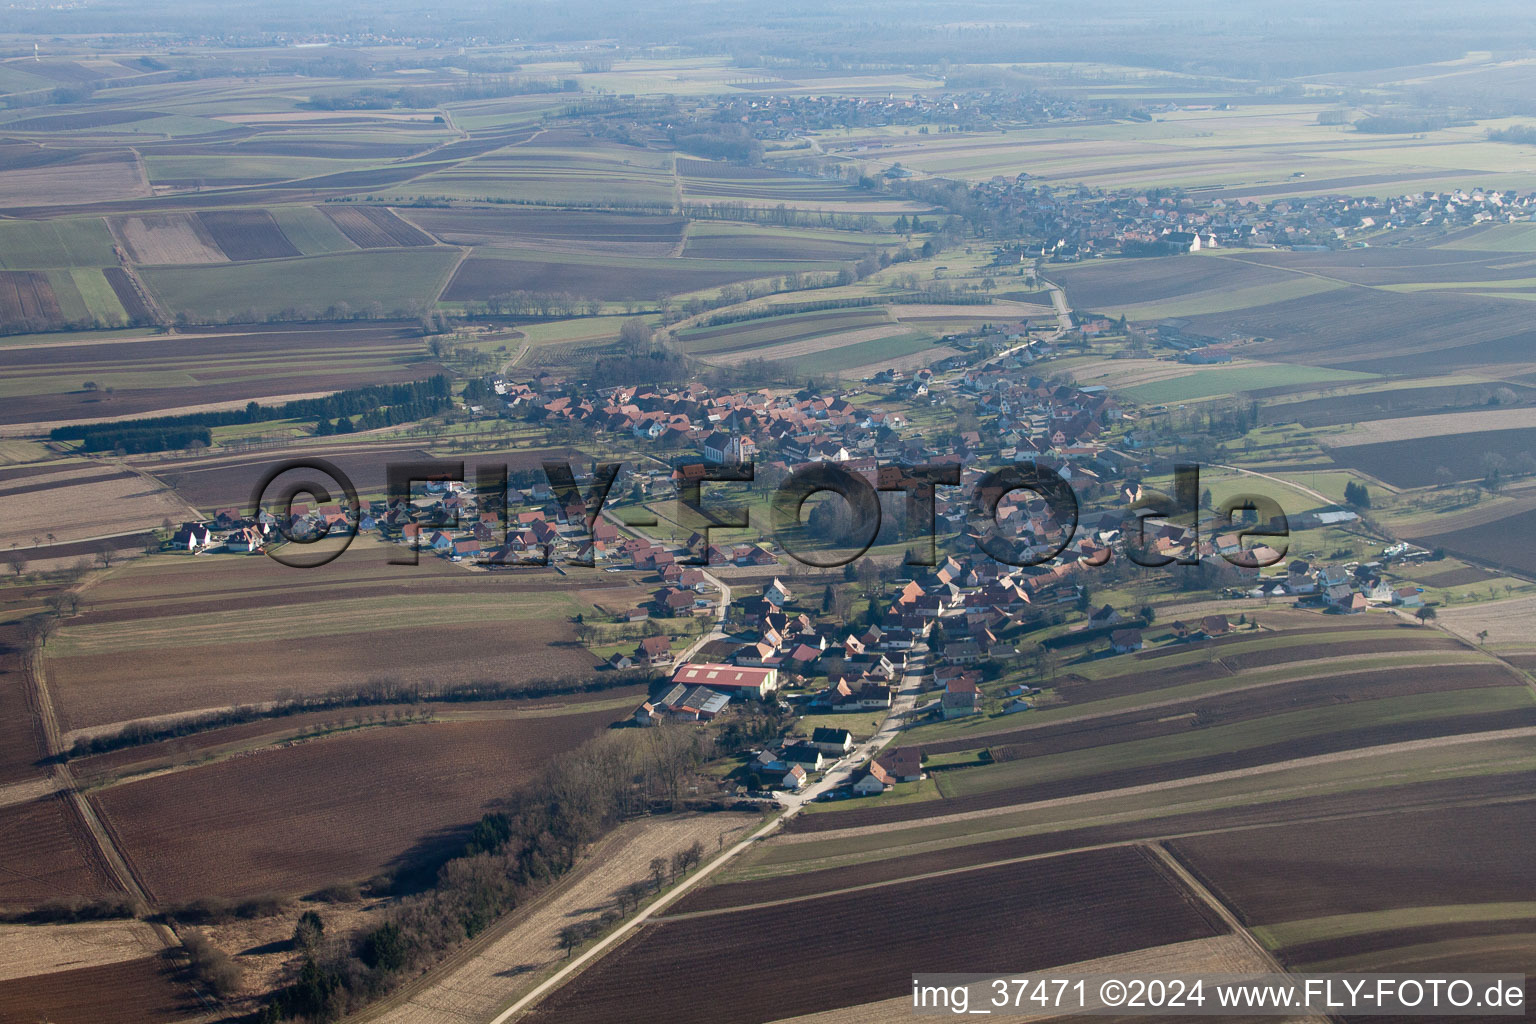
[17,561]
[658,871]
[63,604]
[571,936]
[105,555]
[39,627]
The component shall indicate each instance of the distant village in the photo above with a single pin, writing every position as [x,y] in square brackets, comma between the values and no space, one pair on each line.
[1073,224]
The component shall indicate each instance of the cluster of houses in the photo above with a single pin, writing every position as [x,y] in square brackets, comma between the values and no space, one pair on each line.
[789,765]
[1339,588]
[770,116]
[795,427]
[1073,224]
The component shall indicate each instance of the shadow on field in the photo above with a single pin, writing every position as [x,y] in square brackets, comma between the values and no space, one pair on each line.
[416,868]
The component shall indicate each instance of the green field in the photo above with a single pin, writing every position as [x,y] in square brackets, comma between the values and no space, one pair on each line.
[344,615]
[1496,238]
[765,331]
[214,169]
[553,175]
[310,231]
[43,244]
[1284,728]
[1209,382]
[864,353]
[396,279]
[1225,301]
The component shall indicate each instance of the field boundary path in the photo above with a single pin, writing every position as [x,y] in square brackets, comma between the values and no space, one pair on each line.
[1309,492]
[64,781]
[1198,888]
[792,806]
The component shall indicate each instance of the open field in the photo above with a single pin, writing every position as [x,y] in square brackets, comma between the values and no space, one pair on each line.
[29,951]
[1383,862]
[1418,461]
[1462,771]
[374,227]
[727,241]
[90,177]
[310,231]
[135,306]
[141,991]
[1368,405]
[1375,331]
[708,181]
[1210,383]
[1373,311]
[46,855]
[167,238]
[21,742]
[297,818]
[1259,151]
[102,501]
[1411,428]
[491,272]
[1501,238]
[839,349]
[234,630]
[43,382]
[1507,622]
[991,919]
[557,167]
[748,335]
[387,279]
[1323,886]
[1507,541]
[27,302]
[67,242]
[556,230]
[1222,954]
[247,234]
[1194,751]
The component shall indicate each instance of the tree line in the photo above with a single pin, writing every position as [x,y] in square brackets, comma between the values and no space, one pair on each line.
[508,858]
[371,694]
[378,405]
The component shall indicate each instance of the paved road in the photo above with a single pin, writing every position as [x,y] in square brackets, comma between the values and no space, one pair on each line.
[840,772]
[900,708]
[718,633]
[1059,300]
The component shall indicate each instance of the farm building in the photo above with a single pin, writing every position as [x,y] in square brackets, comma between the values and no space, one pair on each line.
[682,703]
[734,680]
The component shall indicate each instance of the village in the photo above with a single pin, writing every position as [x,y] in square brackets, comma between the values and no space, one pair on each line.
[1069,225]
[742,628]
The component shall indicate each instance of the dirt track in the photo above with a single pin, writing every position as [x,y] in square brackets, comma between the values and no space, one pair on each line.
[489,975]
